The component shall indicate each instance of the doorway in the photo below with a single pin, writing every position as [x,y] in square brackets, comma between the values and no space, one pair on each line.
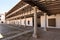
[38,22]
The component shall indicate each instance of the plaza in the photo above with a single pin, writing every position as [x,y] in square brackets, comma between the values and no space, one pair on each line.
[37,13]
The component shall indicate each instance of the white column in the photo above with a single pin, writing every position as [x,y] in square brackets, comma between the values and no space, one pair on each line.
[25,21]
[20,21]
[35,23]
[45,15]
[9,22]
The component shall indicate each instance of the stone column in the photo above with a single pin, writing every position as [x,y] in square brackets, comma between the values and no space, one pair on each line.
[20,22]
[25,19]
[35,22]
[45,15]
[9,22]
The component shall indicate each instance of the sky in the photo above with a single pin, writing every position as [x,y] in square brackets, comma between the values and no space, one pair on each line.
[6,5]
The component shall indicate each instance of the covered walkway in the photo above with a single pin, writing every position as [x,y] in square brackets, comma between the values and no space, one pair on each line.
[48,8]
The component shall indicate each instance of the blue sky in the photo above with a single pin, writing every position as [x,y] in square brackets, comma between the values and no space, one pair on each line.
[6,5]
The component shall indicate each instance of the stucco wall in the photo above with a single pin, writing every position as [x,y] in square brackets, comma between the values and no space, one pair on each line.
[22,21]
[58,20]
[27,19]
[7,22]
[2,18]
[43,20]
[17,22]
[30,20]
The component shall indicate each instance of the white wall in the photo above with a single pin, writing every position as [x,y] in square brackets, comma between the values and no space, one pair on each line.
[22,21]
[58,20]
[16,22]
[2,18]
[43,20]
[19,21]
[7,22]
[29,19]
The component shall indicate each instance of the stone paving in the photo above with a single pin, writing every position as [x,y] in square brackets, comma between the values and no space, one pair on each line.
[42,35]
[9,31]
[23,28]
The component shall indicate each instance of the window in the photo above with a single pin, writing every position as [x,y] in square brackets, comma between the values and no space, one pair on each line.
[1,21]
[52,22]
[28,22]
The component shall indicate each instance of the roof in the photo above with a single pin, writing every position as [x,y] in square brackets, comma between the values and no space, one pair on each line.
[40,5]
[49,7]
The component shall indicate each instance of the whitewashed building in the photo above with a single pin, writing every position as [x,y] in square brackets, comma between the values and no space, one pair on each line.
[46,14]
[2,18]
[23,15]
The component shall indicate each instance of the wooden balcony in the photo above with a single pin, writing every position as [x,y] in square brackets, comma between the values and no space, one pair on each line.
[17,6]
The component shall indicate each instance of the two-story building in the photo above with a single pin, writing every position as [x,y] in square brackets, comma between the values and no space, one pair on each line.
[23,14]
